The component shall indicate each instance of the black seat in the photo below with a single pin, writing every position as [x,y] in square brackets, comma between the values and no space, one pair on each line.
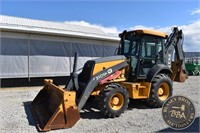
[86,73]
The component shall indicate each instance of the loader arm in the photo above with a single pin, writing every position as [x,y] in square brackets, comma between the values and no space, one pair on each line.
[175,42]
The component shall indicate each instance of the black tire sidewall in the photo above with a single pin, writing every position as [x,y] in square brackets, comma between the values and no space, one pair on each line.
[154,99]
[121,110]
[105,97]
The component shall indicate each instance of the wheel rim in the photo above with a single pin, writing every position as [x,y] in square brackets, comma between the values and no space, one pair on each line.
[163,91]
[116,101]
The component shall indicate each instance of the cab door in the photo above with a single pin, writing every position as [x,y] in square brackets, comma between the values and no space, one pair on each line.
[149,54]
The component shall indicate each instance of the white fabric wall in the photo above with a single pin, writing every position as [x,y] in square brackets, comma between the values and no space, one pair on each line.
[36,57]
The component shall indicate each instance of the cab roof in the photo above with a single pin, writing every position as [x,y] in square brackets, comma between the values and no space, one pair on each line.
[150,32]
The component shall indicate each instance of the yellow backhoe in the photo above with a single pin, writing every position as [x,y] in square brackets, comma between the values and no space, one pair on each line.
[146,65]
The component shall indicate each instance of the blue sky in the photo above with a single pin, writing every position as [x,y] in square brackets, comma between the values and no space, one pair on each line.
[113,14]
[120,14]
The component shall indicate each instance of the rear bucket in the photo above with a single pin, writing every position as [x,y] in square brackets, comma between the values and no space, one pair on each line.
[54,108]
[181,76]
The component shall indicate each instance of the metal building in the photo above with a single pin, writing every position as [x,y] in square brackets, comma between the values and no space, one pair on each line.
[192,54]
[34,48]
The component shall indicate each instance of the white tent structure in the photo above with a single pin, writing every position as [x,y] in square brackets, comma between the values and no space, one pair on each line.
[34,48]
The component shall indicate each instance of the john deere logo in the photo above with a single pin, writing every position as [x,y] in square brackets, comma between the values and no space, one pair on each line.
[178,112]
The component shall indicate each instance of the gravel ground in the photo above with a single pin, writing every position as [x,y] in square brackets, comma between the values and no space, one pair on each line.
[15,114]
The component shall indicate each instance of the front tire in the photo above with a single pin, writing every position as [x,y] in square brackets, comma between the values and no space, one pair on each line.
[161,90]
[113,100]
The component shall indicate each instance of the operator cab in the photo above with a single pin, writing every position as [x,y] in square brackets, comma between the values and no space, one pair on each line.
[143,49]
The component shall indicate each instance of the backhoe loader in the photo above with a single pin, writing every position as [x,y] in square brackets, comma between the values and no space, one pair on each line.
[146,65]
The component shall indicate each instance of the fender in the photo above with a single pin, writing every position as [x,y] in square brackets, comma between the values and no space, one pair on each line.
[158,68]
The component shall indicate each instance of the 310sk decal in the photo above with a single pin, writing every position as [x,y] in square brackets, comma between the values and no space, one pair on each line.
[100,76]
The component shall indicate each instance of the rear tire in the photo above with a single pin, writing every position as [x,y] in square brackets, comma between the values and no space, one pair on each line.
[161,90]
[113,100]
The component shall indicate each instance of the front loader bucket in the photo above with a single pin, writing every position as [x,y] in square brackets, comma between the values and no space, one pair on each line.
[54,108]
